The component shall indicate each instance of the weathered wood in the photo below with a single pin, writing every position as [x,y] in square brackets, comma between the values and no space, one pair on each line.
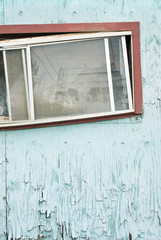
[90,181]
[3,197]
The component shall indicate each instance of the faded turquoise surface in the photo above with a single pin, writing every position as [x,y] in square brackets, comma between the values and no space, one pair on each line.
[97,181]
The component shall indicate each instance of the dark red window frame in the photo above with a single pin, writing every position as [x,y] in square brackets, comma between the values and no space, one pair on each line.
[16,31]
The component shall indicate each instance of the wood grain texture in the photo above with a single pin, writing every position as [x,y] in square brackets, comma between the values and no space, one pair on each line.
[3,197]
[97,180]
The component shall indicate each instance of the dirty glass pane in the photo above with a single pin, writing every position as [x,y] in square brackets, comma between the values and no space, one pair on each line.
[70,79]
[118,74]
[3,93]
[16,85]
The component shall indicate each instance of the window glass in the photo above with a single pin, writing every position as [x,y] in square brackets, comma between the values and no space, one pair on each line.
[66,77]
[118,74]
[70,79]
[16,79]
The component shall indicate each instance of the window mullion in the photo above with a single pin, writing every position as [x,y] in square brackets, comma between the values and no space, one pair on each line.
[109,75]
[127,72]
[32,112]
[26,82]
[7,85]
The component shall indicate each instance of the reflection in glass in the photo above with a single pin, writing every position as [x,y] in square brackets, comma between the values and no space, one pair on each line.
[118,74]
[16,85]
[70,79]
[3,94]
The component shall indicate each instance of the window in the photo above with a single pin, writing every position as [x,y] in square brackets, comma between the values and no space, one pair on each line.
[72,77]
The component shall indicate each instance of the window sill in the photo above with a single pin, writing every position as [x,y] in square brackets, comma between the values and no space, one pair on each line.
[66,120]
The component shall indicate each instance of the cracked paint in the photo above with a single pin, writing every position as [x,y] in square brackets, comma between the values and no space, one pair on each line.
[88,181]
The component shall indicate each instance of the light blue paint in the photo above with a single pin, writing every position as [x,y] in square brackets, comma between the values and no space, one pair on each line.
[94,181]
[1,12]
[2,187]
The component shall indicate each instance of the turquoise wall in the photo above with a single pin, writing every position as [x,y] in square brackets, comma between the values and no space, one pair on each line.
[96,181]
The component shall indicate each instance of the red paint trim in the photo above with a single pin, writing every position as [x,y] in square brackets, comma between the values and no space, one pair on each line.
[45,29]
[70,122]
[69,27]
[137,72]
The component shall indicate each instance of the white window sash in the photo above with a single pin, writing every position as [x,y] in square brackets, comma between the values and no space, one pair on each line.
[60,119]
[27,69]
[59,38]
[26,82]
[30,84]
[7,85]
[109,75]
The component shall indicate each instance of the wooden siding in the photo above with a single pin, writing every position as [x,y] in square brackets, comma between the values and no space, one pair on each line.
[88,181]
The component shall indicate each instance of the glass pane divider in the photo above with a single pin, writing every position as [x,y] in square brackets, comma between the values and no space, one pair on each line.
[7,85]
[30,84]
[127,74]
[109,74]
[26,82]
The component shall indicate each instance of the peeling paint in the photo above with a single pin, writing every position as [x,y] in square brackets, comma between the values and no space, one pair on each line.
[91,181]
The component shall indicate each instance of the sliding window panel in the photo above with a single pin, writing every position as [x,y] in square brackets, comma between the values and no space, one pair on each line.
[3,93]
[118,74]
[70,79]
[109,74]
[17,84]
